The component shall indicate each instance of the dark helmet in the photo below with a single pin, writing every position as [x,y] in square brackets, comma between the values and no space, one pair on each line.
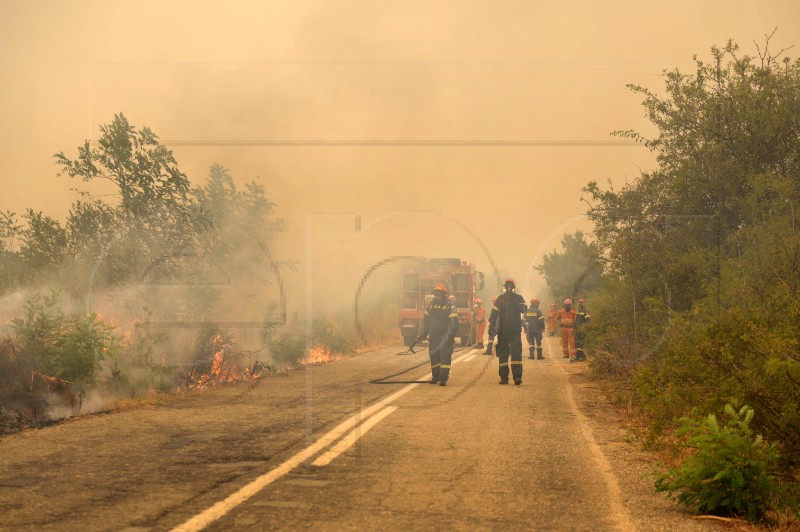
[511,282]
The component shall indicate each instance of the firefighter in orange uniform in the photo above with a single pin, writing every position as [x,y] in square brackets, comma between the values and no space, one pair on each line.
[566,319]
[480,321]
[552,314]
[492,316]
[507,323]
[441,322]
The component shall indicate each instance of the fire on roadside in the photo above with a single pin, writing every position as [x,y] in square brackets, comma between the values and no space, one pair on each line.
[316,356]
[225,369]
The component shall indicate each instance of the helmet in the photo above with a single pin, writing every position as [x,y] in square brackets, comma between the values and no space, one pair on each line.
[568,302]
[534,300]
[494,298]
[552,305]
[440,286]
[451,297]
[581,300]
[478,301]
[510,280]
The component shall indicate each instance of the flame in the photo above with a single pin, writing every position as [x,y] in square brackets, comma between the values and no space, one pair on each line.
[316,356]
[223,370]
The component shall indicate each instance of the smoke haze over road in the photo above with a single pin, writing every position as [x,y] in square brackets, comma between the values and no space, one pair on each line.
[494,115]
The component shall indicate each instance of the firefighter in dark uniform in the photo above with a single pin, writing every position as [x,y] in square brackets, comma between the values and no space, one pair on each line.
[582,318]
[507,323]
[535,329]
[441,322]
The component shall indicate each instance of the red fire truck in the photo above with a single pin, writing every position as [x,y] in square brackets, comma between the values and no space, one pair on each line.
[417,284]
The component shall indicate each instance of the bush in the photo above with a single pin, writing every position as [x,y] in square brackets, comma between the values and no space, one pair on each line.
[288,350]
[729,472]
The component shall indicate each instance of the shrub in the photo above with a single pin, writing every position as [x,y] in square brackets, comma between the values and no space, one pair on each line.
[728,474]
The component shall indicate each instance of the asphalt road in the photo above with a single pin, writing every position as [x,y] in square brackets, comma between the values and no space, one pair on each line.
[325,449]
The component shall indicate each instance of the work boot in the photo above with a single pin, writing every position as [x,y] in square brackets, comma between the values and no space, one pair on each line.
[479,346]
[503,381]
[442,383]
[517,382]
[530,352]
[539,355]
[489,349]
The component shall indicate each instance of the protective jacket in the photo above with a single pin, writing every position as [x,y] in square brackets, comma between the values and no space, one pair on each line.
[510,309]
[582,317]
[441,322]
[535,320]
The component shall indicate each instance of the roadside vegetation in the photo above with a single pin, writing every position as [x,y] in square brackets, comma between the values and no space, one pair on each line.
[133,293]
[695,315]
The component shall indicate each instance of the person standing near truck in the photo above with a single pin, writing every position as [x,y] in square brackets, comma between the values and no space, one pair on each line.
[441,322]
[480,322]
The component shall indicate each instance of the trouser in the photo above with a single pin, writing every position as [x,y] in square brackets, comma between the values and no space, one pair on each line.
[535,342]
[567,342]
[551,326]
[440,353]
[509,344]
[481,330]
[580,336]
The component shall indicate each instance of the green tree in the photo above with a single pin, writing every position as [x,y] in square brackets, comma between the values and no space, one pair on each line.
[150,225]
[574,271]
[702,253]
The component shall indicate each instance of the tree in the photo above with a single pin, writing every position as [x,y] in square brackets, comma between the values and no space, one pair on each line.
[708,247]
[573,272]
[151,222]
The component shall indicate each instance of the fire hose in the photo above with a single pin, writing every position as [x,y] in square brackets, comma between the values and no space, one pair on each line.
[383,380]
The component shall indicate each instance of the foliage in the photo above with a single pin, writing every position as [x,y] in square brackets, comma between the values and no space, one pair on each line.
[288,349]
[729,474]
[68,346]
[697,306]
[574,271]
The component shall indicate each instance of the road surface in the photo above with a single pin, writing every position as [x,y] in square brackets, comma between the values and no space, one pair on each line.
[325,449]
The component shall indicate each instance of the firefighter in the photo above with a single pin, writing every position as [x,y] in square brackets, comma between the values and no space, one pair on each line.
[480,322]
[566,319]
[507,323]
[552,314]
[535,328]
[493,312]
[441,322]
[582,318]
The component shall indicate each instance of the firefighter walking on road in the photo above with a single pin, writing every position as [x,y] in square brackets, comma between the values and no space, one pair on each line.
[566,320]
[441,322]
[582,318]
[507,324]
[552,314]
[535,328]
[480,322]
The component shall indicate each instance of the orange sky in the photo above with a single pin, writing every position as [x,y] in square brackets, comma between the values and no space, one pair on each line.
[239,76]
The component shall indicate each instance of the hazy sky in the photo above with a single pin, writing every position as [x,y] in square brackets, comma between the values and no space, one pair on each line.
[369,92]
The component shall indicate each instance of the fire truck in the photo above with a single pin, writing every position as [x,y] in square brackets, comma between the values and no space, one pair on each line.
[416,289]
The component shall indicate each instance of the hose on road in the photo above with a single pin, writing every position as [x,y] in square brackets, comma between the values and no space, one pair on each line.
[384,380]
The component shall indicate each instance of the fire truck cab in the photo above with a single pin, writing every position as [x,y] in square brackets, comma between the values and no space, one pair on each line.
[416,289]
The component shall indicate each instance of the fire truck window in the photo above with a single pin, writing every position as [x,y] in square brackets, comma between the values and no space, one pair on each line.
[410,300]
[462,299]
[461,283]
[410,281]
[427,285]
